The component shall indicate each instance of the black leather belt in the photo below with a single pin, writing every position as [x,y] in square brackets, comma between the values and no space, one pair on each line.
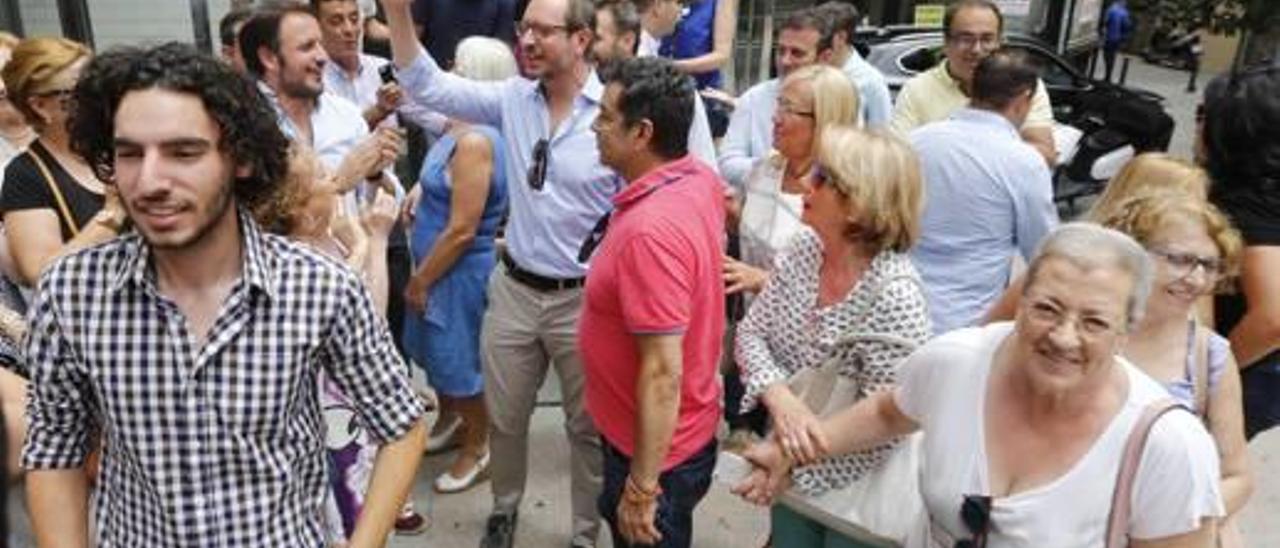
[538,282]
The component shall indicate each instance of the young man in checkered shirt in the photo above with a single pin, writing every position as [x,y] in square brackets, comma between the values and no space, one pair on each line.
[190,345]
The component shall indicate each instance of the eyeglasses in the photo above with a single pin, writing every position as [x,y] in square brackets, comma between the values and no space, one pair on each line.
[1185,264]
[541,31]
[967,41]
[537,175]
[975,512]
[787,107]
[1049,314]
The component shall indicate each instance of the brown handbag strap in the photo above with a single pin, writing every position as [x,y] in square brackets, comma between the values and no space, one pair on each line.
[57,194]
[1118,520]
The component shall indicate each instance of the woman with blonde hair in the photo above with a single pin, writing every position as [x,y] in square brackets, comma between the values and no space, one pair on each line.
[52,202]
[1195,252]
[1147,172]
[766,213]
[810,100]
[844,289]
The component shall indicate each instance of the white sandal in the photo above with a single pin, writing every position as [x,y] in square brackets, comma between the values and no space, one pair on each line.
[446,483]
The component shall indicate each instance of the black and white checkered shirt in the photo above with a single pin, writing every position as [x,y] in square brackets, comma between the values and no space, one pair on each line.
[220,445]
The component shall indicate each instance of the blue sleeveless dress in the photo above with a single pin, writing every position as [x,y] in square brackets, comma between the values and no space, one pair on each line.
[445,340]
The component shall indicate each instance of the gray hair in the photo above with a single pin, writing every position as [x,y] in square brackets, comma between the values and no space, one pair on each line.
[483,58]
[1088,246]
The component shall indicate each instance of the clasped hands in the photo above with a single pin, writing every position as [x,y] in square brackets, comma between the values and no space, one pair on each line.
[797,439]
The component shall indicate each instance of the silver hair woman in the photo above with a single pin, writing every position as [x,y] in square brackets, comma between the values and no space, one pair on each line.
[1027,421]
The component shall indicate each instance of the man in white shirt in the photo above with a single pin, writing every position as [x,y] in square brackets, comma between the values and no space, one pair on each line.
[356,76]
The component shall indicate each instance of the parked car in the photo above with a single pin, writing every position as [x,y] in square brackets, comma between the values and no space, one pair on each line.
[1107,123]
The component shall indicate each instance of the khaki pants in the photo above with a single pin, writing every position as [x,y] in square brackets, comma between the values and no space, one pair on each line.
[524,331]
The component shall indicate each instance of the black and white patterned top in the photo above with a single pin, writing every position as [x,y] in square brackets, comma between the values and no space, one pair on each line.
[785,330]
[213,445]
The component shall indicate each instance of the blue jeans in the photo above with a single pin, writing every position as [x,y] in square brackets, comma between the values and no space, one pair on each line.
[682,488]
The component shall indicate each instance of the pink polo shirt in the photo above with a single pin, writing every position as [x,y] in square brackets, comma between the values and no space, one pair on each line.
[658,271]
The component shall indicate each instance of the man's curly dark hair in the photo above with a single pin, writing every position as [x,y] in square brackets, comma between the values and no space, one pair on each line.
[247,122]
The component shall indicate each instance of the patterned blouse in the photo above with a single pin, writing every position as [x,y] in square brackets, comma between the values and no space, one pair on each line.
[785,330]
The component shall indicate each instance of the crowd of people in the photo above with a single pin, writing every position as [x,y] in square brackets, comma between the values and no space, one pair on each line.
[230,267]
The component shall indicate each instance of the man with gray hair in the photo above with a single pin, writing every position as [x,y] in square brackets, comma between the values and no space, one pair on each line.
[990,194]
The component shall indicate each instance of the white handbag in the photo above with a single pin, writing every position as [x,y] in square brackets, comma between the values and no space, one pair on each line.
[884,505]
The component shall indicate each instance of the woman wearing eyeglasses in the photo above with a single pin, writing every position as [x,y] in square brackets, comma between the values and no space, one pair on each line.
[1026,424]
[843,288]
[809,100]
[52,201]
[1195,251]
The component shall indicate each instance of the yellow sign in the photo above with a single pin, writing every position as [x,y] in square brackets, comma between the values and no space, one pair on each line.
[929,15]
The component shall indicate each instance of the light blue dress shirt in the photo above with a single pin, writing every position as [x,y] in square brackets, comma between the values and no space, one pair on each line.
[750,134]
[545,228]
[988,195]
[876,108]
[362,89]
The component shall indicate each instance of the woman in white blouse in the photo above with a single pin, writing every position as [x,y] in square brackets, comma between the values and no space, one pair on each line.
[843,287]
[768,208]
[809,100]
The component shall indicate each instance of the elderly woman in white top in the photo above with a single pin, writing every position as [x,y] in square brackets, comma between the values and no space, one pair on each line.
[843,287]
[1026,423]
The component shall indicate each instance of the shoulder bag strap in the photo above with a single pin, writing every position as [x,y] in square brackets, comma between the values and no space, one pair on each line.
[57,194]
[1201,370]
[1118,520]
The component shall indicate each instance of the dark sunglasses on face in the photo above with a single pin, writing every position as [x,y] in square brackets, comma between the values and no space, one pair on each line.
[975,512]
[537,176]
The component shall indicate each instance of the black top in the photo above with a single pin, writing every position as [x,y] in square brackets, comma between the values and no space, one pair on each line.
[25,188]
[447,22]
[1256,215]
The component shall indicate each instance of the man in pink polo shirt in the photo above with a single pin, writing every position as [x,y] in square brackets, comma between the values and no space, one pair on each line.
[651,325]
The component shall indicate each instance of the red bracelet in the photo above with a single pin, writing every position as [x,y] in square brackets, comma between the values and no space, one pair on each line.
[634,493]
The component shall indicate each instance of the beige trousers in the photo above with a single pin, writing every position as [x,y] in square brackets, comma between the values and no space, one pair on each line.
[525,331]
